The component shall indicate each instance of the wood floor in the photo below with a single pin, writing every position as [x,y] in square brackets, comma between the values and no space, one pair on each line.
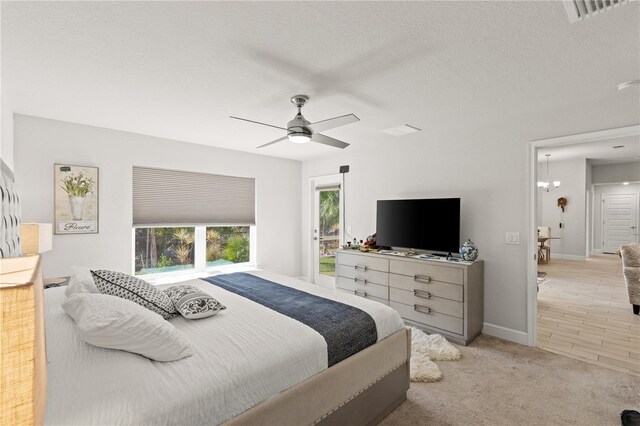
[584,313]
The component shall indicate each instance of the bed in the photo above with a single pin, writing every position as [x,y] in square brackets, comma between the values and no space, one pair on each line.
[250,365]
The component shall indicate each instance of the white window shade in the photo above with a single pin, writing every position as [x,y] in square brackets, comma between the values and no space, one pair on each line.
[334,187]
[171,197]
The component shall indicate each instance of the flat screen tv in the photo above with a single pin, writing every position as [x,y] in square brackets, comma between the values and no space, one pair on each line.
[425,224]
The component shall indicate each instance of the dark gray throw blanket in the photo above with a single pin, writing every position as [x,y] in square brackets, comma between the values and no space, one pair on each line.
[347,330]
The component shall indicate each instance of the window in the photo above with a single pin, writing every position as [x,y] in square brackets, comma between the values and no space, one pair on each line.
[160,250]
[173,249]
[188,221]
[227,245]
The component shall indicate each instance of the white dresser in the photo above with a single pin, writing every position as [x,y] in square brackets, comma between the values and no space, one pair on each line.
[437,296]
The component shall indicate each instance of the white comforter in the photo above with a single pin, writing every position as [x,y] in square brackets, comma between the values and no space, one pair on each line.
[241,357]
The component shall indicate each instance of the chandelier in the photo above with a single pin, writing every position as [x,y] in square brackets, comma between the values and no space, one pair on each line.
[544,185]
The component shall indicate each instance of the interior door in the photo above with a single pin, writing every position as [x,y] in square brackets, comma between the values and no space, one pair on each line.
[326,230]
[619,220]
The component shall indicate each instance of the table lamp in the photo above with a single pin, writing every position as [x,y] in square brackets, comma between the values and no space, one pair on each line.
[36,238]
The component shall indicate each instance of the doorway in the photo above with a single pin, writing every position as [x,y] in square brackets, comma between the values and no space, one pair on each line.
[619,220]
[327,228]
[579,307]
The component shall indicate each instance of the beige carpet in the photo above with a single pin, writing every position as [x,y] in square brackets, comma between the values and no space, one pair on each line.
[502,383]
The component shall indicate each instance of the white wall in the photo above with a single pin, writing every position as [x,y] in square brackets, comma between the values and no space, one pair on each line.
[572,175]
[6,129]
[6,121]
[39,143]
[589,208]
[598,190]
[615,173]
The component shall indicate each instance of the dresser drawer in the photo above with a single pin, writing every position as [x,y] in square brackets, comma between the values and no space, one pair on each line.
[433,319]
[424,298]
[362,276]
[427,271]
[436,288]
[363,263]
[375,290]
[366,296]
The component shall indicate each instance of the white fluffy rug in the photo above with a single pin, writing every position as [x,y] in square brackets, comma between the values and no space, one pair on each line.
[424,349]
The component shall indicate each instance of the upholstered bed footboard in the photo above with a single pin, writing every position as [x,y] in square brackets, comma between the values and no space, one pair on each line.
[362,389]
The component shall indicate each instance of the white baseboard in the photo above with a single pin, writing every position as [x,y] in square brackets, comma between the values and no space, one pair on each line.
[505,333]
[596,251]
[567,256]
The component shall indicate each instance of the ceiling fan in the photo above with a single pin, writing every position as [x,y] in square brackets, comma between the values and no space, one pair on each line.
[299,130]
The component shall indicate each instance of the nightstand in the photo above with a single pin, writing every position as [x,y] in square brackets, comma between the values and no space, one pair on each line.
[56,282]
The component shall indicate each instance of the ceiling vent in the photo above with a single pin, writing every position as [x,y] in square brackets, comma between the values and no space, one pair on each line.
[580,9]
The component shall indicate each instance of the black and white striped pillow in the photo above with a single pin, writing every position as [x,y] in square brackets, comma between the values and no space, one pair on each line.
[134,289]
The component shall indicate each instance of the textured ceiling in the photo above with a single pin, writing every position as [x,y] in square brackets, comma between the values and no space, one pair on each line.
[178,70]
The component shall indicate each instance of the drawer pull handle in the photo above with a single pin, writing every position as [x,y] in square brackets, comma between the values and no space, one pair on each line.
[421,293]
[356,280]
[422,278]
[358,267]
[360,293]
[422,309]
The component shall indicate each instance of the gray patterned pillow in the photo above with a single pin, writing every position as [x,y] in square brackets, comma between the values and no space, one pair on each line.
[193,303]
[134,289]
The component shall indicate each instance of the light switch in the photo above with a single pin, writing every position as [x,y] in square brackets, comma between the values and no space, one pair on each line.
[348,229]
[513,238]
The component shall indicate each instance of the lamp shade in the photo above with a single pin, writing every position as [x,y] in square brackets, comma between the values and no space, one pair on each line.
[36,237]
[23,381]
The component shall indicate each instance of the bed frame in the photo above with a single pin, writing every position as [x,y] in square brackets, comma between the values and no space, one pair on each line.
[361,390]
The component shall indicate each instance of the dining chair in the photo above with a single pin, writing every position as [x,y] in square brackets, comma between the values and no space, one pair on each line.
[544,249]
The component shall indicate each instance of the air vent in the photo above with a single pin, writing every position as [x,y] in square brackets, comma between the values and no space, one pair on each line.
[580,9]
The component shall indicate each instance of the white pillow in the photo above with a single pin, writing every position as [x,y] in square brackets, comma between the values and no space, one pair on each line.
[116,323]
[81,282]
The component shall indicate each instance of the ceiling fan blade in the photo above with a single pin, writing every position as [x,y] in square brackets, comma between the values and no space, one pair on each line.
[326,140]
[272,142]
[257,122]
[332,123]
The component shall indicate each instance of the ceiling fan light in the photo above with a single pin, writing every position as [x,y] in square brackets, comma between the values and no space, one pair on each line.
[299,137]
